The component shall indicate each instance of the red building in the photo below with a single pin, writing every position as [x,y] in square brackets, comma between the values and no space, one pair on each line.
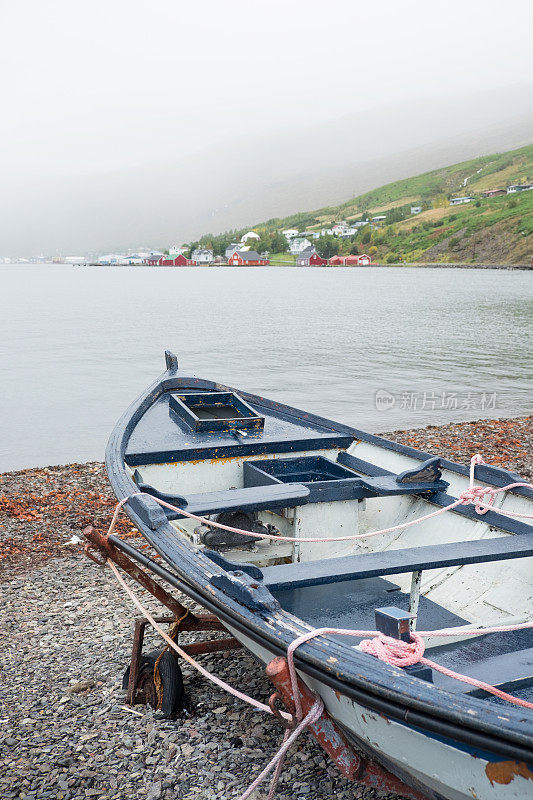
[248,258]
[154,261]
[310,258]
[177,261]
[350,261]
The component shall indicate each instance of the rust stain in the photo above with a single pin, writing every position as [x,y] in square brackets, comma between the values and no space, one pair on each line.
[506,771]
[338,696]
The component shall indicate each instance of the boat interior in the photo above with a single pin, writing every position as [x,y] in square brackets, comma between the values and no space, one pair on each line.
[254,465]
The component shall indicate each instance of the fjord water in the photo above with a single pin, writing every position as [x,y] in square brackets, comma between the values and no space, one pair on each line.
[78,344]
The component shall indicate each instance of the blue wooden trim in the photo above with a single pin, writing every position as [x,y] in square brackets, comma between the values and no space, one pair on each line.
[237,450]
[441,499]
[396,562]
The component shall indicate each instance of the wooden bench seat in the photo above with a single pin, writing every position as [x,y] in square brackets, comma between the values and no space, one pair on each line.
[255,498]
[393,562]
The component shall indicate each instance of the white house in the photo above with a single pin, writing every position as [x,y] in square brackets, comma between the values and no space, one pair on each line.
[379,219]
[202,256]
[176,251]
[519,187]
[459,201]
[250,235]
[298,245]
[360,224]
[231,248]
[416,209]
[290,233]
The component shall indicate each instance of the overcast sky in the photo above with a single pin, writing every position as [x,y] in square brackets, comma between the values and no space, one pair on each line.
[103,86]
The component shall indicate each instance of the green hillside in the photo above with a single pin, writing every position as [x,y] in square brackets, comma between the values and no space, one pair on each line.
[488,230]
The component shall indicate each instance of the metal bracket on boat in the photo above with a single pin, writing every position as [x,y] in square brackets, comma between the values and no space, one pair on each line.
[396,623]
[171,360]
[248,591]
[428,472]
[150,512]
[229,566]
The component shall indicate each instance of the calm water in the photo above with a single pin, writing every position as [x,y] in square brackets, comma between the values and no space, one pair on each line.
[78,344]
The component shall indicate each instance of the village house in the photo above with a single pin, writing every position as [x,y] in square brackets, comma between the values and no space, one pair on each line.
[290,233]
[297,246]
[379,219]
[175,261]
[493,192]
[248,258]
[201,256]
[519,187]
[310,258]
[177,251]
[154,259]
[459,201]
[416,209]
[231,248]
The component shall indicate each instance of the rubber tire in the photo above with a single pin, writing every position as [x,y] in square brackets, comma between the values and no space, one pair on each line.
[171,679]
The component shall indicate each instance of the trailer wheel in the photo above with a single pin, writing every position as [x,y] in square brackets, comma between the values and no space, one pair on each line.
[171,680]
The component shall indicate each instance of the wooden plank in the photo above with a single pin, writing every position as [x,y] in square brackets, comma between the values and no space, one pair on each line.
[255,498]
[394,562]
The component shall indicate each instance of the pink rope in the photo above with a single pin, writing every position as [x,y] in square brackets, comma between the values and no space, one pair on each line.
[398,653]
[473,495]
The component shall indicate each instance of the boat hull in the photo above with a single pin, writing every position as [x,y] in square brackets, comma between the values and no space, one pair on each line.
[440,768]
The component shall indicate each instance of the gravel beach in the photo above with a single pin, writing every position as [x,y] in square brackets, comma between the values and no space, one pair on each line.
[65,732]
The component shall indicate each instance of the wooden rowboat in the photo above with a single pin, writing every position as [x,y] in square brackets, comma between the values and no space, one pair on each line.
[259,466]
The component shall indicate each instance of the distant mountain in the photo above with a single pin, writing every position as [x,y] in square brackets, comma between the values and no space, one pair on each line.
[234,185]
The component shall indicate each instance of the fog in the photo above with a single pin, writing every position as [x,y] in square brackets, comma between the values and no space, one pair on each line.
[127,124]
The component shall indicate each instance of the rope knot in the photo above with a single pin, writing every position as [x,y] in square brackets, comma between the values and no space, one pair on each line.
[395,652]
[477,495]
[481,497]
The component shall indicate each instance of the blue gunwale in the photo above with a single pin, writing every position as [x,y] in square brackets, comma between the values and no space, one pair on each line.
[374,685]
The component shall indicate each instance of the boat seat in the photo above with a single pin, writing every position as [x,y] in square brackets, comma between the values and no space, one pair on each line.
[423,479]
[395,562]
[255,498]
[504,660]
